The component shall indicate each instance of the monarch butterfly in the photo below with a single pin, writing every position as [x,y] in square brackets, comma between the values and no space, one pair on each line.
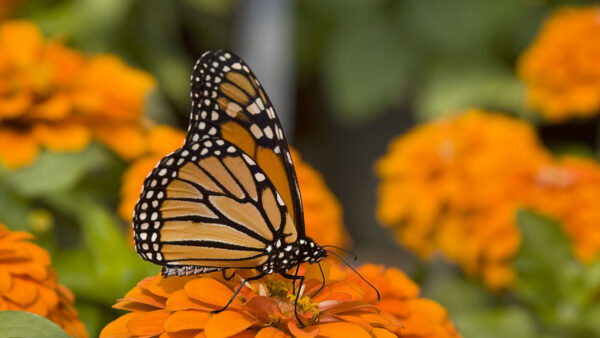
[229,197]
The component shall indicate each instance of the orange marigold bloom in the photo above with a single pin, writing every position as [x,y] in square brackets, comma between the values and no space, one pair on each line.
[323,215]
[181,306]
[157,142]
[562,66]
[420,317]
[322,211]
[53,96]
[28,283]
[454,185]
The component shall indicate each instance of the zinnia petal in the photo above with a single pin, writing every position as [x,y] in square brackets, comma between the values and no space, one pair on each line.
[187,320]
[271,332]
[62,136]
[17,150]
[148,323]
[342,330]
[209,291]
[227,323]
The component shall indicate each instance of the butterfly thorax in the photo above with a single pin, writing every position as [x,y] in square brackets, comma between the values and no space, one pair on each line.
[283,256]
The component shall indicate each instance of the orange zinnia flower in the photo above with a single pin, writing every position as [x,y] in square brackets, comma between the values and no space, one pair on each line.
[53,96]
[562,66]
[181,306]
[455,186]
[28,283]
[322,211]
[157,142]
[420,317]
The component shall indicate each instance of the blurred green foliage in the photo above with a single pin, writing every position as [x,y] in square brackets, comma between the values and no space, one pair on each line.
[555,295]
[559,289]
[444,55]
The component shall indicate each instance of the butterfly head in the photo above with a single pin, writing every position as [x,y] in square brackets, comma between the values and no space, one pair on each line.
[310,251]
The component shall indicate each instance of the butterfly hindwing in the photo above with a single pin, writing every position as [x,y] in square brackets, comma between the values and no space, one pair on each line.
[228,102]
[209,205]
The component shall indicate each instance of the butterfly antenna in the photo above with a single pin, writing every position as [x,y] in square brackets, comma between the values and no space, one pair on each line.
[356,272]
[354,256]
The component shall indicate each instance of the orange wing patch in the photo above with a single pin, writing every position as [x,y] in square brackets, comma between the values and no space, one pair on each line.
[177,208]
[216,169]
[270,163]
[273,166]
[289,229]
[234,133]
[181,189]
[242,213]
[242,173]
[193,173]
[235,93]
[272,210]
[242,82]
[210,256]
[174,231]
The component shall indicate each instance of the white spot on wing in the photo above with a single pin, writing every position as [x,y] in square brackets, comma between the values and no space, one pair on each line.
[253,109]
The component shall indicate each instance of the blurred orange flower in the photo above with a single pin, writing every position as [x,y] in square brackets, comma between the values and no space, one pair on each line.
[157,142]
[28,283]
[181,306]
[55,97]
[322,211]
[562,66]
[455,185]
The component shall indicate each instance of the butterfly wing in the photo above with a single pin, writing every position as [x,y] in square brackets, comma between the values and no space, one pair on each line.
[209,206]
[228,102]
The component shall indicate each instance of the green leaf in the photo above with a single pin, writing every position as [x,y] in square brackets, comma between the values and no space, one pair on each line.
[14,210]
[27,324]
[549,277]
[510,322]
[541,262]
[92,316]
[543,240]
[366,68]
[107,267]
[54,171]
[454,290]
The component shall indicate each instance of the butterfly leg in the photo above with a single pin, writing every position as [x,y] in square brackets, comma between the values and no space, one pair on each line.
[225,276]
[259,276]
[323,278]
[294,280]
[301,278]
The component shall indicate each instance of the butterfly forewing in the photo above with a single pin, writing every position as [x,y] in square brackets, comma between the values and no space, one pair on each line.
[209,204]
[228,102]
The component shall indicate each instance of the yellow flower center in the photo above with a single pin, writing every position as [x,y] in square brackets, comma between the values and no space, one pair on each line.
[282,293]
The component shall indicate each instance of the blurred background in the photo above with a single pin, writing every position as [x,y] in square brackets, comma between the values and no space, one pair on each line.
[346,78]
